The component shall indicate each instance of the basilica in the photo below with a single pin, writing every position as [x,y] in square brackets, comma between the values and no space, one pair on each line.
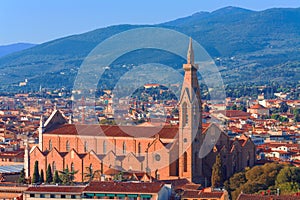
[167,152]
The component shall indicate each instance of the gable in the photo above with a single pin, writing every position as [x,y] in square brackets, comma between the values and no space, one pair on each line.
[156,145]
[92,156]
[130,162]
[73,155]
[56,118]
[35,151]
[54,154]
[130,158]
[213,136]
[110,156]
[185,96]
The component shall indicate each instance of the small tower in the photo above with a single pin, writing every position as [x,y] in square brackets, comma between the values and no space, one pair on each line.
[41,130]
[190,123]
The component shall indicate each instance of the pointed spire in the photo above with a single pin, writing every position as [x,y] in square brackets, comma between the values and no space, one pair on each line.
[190,54]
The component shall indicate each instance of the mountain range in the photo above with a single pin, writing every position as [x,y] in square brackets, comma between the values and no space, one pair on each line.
[12,48]
[249,47]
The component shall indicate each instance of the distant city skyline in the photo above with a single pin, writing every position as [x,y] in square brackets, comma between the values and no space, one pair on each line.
[35,21]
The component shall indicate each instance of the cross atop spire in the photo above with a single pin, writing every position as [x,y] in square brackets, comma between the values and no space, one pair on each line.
[190,54]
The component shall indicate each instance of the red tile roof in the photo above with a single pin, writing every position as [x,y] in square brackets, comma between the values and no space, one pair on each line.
[125,187]
[257,106]
[12,154]
[55,189]
[201,194]
[234,113]
[168,132]
[176,183]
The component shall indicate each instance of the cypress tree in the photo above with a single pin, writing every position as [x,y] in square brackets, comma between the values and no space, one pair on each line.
[56,178]
[42,179]
[36,175]
[65,176]
[49,176]
[217,177]
[22,176]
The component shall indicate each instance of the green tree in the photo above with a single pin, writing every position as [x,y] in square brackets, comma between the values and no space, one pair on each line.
[288,174]
[237,180]
[252,187]
[296,113]
[21,178]
[233,107]
[253,180]
[242,108]
[265,174]
[275,116]
[283,119]
[67,176]
[49,175]
[270,173]
[217,176]
[56,178]
[119,176]
[42,179]
[288,187]
[235,193]
[36,175]
[254,173]
[283,107]
[91,174]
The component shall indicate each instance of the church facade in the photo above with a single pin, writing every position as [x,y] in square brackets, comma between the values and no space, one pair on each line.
[168,152]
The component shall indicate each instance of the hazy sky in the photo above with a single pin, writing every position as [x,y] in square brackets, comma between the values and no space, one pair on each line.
[38,21]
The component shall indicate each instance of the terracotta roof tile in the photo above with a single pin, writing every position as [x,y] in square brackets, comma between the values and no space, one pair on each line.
[234,113]
[125,187]
[166,132]
[201,194]
[55,189]
[257,106]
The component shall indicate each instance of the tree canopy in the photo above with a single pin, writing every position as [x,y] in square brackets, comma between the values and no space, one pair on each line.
[36,174]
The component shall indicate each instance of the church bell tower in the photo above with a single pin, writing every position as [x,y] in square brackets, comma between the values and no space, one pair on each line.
[190,121]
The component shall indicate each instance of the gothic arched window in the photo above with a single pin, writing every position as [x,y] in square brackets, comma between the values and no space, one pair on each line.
[124,148]
[85,146]
[67,145]
[185,162]
[185,117]
[104,147]
[139,149]
[72,167]
[195,114]
[50,145]
[53,166]
[157,175]
[194,110]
